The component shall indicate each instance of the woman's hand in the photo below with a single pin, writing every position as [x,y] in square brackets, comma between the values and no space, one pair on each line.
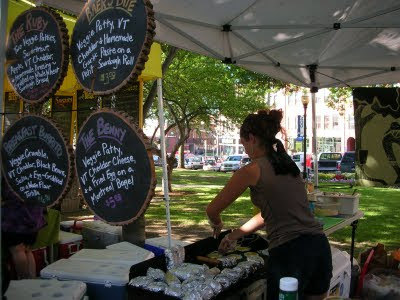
[216,228]
[227,244]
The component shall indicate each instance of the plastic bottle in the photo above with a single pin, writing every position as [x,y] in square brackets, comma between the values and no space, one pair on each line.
[288,288]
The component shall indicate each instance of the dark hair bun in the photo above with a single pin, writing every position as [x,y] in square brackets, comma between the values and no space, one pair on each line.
[263,112]
[276,115]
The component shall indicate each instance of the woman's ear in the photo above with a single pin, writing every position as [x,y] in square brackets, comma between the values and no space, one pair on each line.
[252,138]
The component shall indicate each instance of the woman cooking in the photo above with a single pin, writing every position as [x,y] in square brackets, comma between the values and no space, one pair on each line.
[297,245]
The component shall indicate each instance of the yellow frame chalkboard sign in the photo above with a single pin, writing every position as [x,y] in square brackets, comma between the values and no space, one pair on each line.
[37,54]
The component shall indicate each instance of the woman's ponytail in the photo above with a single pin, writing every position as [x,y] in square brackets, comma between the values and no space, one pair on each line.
[265,125]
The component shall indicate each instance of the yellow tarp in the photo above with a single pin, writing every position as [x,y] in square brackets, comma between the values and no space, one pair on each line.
[152,69]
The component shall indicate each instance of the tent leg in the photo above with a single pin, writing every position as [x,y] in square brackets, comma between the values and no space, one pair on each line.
[164,157]
[314,140]
[3,28]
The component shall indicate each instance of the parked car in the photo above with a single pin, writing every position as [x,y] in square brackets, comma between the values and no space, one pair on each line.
[209,165]
[347,163]
[298,158]
[245,161]
[194,163]
[232,163]
[327,161]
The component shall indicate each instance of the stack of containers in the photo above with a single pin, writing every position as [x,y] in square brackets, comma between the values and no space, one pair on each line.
[45,289]
[331,204]
[98,235]
[105,271]
[341,274]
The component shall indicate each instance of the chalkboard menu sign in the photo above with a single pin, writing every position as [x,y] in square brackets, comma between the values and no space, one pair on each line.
[86,104]
[115,167]
[61,109]
[126,100]
[37,54]
[11,108]
[111,42]
[36,161]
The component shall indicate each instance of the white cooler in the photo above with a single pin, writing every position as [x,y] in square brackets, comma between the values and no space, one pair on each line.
[340,282]
[162,242]
[98,235]
[133,249]
[104,281]
[119,257]
[45,289]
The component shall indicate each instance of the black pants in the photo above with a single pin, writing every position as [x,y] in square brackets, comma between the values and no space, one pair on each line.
[307,258]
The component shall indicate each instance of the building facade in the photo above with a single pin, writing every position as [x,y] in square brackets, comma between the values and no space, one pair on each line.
[335,132]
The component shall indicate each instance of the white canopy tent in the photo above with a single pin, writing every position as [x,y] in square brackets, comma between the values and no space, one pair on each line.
[310,43]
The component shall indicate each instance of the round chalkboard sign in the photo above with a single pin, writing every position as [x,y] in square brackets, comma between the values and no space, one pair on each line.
[115,167]
[36,160]
[37,54]
[111,42]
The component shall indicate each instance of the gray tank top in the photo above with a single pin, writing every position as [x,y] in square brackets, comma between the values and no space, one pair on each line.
[282,200]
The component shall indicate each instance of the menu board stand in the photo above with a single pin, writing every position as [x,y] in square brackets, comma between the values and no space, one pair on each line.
[37,54]
[36,160]
[115,168]
[110,44]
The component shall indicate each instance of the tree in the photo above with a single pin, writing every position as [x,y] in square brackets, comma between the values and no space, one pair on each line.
[198,89]
[339,99]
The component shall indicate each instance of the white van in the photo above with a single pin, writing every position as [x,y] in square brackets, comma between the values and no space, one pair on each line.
[233,162]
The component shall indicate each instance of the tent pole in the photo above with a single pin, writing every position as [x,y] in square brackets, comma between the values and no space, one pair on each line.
[314,140]
[3,29]
[313,90]
[164,156]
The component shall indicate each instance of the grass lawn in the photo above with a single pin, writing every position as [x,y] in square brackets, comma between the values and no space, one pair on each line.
[194,189]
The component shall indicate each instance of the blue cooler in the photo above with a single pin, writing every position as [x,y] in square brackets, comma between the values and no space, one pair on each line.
[158,245]
[104,281]
[45,289]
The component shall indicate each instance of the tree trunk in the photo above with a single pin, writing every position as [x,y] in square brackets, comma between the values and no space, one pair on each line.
[182,157]
[170,167]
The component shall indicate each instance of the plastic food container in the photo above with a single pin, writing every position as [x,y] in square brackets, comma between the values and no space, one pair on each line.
[348,204]
[326,209]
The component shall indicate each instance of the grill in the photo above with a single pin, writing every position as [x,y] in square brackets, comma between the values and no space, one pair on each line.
[201,248]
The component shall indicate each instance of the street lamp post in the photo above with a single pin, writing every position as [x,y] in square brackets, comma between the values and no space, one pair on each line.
[305,99]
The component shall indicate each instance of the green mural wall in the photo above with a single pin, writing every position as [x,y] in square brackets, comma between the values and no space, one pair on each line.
[377,126]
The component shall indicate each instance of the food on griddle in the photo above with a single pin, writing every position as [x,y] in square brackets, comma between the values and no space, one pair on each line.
[187,270]
[140,281]
[213,271]
[171,279]
[235,256]
[174,291]
[242,249]
[227,261]
[214,254]
[250,254]
[156,274]
[156,286]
